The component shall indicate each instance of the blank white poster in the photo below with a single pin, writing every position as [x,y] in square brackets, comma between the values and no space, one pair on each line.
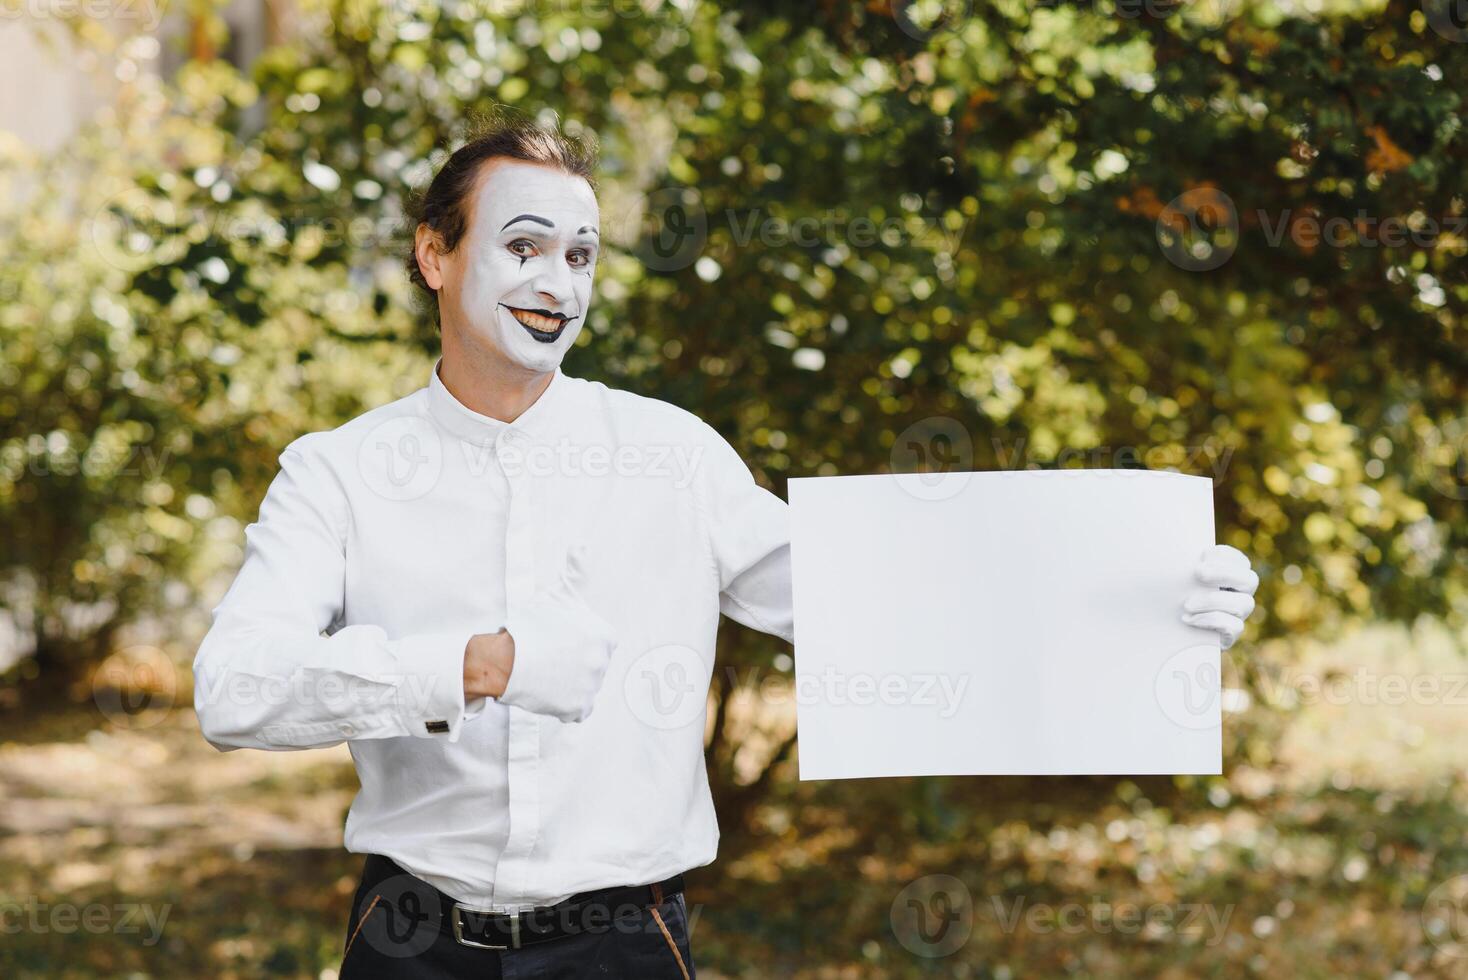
[1003,623]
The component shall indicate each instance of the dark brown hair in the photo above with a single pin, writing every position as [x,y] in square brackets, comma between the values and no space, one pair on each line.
[446,205]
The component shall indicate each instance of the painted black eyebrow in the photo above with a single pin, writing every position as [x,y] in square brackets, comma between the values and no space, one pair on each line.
[529,217]
[585,228]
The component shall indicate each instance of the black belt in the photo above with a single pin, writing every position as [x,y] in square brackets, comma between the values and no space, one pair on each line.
[594,911]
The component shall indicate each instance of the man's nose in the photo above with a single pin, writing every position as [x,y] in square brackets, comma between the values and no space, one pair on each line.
[553,283]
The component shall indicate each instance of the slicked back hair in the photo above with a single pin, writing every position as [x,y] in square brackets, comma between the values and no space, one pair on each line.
[446,205]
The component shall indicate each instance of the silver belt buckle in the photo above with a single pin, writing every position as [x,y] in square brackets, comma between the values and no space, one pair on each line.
[459,926]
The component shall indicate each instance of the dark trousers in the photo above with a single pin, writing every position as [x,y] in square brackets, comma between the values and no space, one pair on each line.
[396,931]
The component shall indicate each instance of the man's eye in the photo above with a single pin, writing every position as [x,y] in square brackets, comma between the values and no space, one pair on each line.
[580,258]
[516,245]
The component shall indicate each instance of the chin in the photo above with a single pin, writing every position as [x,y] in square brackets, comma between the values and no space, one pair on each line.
[541,362]
[537,355]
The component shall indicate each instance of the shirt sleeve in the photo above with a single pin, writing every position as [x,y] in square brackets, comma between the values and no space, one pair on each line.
[266,678]
[749,535]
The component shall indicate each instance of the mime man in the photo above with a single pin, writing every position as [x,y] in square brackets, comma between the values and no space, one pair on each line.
[468,586]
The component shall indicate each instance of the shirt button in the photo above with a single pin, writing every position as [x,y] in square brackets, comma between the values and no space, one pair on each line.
[346,729]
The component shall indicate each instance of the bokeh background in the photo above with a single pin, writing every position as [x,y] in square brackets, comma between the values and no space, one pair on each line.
[857,236]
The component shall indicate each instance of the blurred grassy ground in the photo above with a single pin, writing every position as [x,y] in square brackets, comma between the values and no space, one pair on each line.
[1313,863]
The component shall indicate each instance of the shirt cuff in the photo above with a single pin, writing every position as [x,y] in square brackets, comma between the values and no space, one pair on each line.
[532,682]
[431,696]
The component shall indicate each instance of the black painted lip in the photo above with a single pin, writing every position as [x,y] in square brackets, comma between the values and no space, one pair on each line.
[544,338]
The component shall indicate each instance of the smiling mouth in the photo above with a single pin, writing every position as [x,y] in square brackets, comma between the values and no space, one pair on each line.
[543,325]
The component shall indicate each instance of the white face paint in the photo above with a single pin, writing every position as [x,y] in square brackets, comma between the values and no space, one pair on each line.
[521,277]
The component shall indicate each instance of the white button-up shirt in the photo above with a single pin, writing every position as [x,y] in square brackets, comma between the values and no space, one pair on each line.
[383,545]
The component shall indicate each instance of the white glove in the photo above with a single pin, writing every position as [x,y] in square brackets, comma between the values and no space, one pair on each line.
[1227,596]
[562,648]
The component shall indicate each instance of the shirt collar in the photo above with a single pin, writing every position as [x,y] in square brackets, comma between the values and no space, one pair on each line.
[464,422]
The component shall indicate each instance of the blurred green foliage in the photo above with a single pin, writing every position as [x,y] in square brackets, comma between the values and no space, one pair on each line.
[1082,231]
[1086,233]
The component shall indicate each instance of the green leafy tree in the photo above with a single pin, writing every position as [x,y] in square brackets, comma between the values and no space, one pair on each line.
[853,236]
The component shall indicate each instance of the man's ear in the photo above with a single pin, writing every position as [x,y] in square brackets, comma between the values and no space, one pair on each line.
[427,249]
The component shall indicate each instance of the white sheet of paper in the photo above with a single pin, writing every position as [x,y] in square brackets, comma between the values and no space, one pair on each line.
[1004,623]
